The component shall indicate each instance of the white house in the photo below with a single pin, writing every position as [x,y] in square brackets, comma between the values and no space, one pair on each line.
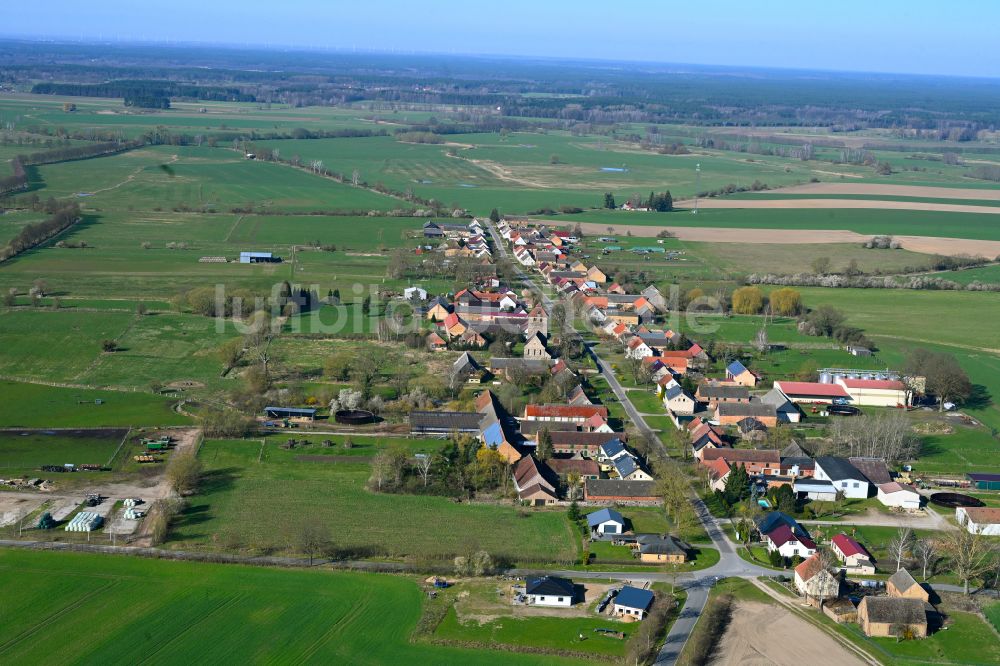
[875,392]
[854,556]
[628,469]
[980,520]
[605,521]
[550,591]
[786,542]
[677,400]
[899,495]
[632,602]
[844,476]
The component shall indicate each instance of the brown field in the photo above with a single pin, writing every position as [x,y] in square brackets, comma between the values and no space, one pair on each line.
[784,643]
[846,203]
[885,190]
[921,244]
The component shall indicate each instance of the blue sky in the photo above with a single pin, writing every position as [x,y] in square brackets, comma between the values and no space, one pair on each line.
[914,36]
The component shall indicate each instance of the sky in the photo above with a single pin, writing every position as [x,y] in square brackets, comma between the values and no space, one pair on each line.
[905,36]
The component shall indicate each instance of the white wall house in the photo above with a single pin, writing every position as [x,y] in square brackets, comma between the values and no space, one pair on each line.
[550,591]
[844,476]
[980,520]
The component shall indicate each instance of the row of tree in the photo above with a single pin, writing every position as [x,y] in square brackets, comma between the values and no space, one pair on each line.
[38,232]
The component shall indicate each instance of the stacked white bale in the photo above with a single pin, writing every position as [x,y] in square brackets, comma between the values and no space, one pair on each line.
[85,521]
[134,514]
[129,502]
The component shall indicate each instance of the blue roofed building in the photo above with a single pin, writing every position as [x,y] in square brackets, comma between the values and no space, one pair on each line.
[738,373]
[605,521]
[633,602]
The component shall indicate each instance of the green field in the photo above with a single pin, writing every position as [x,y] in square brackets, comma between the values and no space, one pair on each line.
[25,405]
[260,505]
[34,448]
[112,609]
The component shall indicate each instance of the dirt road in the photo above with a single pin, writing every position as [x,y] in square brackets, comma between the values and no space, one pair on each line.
[885,190]
[922,244]
[841,204]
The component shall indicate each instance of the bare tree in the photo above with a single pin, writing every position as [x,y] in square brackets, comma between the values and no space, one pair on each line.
[899,546]
[968,552]
[258,340]
[313,539]
[926,553]
[423,464]
[887,435]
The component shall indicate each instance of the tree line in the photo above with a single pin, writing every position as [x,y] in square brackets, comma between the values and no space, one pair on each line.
[39,232]
[16,182]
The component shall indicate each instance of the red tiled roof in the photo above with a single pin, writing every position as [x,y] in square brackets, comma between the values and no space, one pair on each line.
[849,546]
[744,455]
[812,388]
[783,534]
[983,515]
[895,487]
[881,384]
[566,411]
[580,466]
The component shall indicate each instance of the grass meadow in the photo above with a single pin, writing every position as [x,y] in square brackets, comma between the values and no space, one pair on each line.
[31,449]
[107,608]
[257,498]
[24,405]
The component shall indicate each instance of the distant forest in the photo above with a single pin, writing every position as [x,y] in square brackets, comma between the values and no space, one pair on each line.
[568,92]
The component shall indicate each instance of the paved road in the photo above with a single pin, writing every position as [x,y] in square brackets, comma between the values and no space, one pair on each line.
[697,583]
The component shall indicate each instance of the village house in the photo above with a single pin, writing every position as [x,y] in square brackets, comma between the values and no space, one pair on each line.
[855,557]
[605,521]
[631,602]
[796,461]
[718,474]
[844,476]
[789,544]
[731,413]
[582,443]
[532,480]
[815,582]
[550,591]
[756,461]
[657,549]
[435,342]
[581,467]
[892,616]
[678,401]
[627,468]
[784,408]
[738,373]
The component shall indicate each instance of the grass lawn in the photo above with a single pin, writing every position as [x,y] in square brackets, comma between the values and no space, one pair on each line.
[553,633]
[966,640]
[26,405]
[260,505]
[33,448]
[646,401]
[115,609]
[993,614]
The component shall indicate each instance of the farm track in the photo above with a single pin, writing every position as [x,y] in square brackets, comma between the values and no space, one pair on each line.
[841,204]
[893,190]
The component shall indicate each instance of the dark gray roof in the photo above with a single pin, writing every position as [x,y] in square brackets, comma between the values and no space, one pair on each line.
[729,392]
[666,544]
[535,366]
[550,586]
[618,488]
[902,580]
[840,468]
[750,424]
[895,610]
[443,422]
[633,597]
[755,409]
[874,469]
[625,465]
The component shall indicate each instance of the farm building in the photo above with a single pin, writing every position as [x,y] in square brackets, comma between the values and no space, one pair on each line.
[816,490]
[624,492]
[584,443]
[875,392]
[812,392]
[307,413]
[715,394]
[586,469]
[444,423]
[783,407]
[632,602]
[563,413]
[258,258]
[981,481]
[731,413]
[550,591]
[892,616]
[980,520]
[605,521]
[899,495]
[756,461]
[902,585]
